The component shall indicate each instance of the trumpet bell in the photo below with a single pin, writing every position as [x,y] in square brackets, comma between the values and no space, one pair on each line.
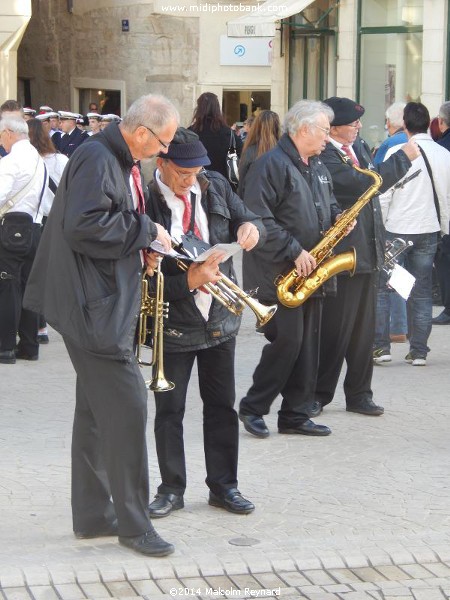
[160,384]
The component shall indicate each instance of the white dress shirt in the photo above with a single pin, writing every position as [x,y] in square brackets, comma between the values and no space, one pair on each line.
[411,209]
[203,300]
[338,145]
[16,171]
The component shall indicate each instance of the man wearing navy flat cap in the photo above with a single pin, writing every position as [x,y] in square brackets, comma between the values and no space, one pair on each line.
[348,320]
[187,200]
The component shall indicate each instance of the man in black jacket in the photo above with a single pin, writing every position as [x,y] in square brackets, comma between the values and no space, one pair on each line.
[348,321]
[291,189]
[185,200]
[86,280]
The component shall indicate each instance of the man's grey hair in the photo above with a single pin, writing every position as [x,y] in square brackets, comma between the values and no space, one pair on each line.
[152,110]
[444,113]
[395,113]
[16,125]
[305,112]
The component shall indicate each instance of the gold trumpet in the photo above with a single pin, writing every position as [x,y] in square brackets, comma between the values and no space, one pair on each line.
[158,309]
[230,295]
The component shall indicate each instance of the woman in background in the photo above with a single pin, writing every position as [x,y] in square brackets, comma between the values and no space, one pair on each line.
[55,163]
[210,126]
[262,136]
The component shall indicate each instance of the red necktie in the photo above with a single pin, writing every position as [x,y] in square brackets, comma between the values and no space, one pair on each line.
[348,152]
[136,175]
[187,215]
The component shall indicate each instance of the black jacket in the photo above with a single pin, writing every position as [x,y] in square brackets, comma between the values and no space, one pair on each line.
[217,144]
[185,328]
[444,140]
[87,271]
[67,144]
[296,204]
[368,237]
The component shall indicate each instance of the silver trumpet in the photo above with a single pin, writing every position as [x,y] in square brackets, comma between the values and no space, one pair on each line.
[229,294]
[158,309]
[393,249]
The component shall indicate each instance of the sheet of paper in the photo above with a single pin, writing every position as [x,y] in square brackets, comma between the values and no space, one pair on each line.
[401,281]
[229,249]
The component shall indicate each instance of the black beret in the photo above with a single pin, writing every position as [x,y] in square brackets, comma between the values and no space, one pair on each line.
[345,110]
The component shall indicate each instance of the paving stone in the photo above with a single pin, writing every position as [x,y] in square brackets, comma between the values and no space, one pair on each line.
[44,592]
[332,561]
[369,574]
[11,577]
[344,575]
[136,571]
[110,573]
[36,576]
[391,572]
[416,571]
[168,584]
[88,576]
[95,590]
[147,588]
[318,577]
[19,593]
[62,575]
[428,594]
[69,591]
[438,569]
[294,578]
[269,580]
[119,589]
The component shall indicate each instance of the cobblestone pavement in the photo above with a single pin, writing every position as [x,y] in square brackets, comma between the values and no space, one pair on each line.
[361,514]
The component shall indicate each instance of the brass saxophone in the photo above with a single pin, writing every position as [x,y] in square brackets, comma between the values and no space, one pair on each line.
[294,289]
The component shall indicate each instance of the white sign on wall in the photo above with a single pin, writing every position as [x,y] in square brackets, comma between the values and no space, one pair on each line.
[256,52]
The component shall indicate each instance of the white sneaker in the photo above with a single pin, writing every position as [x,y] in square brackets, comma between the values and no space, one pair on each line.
[419,362]
[381,356]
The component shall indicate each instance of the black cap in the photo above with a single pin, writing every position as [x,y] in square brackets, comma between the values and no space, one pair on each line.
[186,150]
[345,110]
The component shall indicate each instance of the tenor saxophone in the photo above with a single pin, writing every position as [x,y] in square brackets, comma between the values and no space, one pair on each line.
[294,289]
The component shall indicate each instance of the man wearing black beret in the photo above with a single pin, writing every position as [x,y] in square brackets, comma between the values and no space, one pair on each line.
[200,205]
[348,322]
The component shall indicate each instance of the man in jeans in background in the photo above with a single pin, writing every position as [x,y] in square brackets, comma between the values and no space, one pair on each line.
[417,213]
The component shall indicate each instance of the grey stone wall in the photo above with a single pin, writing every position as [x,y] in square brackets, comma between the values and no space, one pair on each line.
[159,54]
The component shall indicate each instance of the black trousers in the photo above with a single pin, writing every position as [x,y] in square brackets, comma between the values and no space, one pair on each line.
[442,264]
[14,319]
[348,329]
[288,365]
[220,423]
[109,450]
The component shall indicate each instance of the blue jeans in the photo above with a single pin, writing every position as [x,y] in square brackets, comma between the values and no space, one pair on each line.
[418,260]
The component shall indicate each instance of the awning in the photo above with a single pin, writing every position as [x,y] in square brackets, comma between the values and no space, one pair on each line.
[261,20]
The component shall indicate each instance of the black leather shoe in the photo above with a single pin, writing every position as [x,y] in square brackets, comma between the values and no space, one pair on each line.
[316,409]
[306,428]
[255,425]
[7,357]
[112,530]
[24,356]
[148,543]
[164,504]
[442,319]
[233,501]
[366,407]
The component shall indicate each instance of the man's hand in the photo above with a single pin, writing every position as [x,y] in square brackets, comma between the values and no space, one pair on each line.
[411,149]
[305,263]
[163,237]
[205,272]
[247,236]
[151,262]
[350,227]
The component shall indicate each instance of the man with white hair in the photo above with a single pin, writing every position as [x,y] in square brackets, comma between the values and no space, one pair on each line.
[23,178]
[396,132]
[291,189]
[86,281]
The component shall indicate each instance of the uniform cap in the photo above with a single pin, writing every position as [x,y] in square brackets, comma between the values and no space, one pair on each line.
[45,109]
[66,115]
[94,115]
[29,111]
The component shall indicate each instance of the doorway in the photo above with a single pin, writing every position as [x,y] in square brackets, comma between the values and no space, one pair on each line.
[237,105]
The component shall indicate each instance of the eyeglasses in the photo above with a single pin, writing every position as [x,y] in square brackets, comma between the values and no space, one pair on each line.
[163,144]
[355,124]
[326,130]
[186,176]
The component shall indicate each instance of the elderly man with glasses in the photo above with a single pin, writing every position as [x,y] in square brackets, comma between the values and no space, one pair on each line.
[86,280]
[198,208]
[348,320]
